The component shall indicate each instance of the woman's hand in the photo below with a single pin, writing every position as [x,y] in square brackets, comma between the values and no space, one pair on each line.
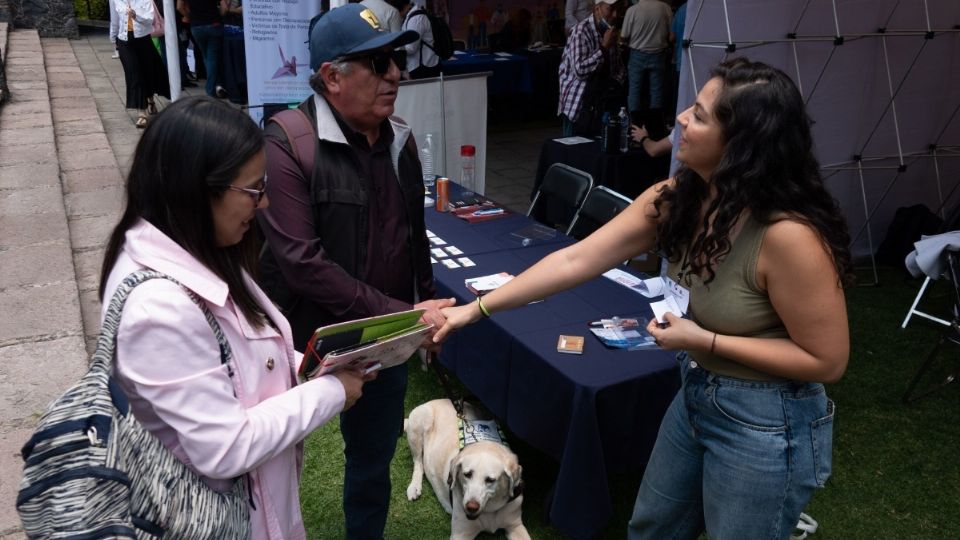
[680,334]
[637,133]
[457,317]
[352,381]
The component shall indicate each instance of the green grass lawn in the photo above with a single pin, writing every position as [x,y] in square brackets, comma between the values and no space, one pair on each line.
[895,468]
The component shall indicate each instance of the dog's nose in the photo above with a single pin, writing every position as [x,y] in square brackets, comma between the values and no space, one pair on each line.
[472,506]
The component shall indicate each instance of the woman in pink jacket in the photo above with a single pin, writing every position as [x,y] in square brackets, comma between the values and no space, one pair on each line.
[196,183]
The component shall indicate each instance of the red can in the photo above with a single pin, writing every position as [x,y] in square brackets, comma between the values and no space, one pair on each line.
[443,194]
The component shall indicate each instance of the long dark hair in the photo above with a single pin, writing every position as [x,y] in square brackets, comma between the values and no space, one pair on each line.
[186,158]
[767,168]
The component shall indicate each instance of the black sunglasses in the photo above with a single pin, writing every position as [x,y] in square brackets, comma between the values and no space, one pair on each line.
[380,61]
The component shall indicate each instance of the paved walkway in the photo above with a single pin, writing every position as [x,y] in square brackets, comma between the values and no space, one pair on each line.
[66,141]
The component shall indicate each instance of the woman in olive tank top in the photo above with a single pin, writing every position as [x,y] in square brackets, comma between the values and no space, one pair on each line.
[751,232]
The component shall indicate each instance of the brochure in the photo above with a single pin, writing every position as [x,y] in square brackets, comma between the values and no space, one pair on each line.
[480,212]
[484,284]
[617,333]
[366,344]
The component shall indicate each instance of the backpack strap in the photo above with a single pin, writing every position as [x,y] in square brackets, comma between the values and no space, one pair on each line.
[423,42]
[107,342]
[301,136]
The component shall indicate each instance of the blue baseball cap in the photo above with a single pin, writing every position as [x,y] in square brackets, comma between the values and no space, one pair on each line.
[349,30]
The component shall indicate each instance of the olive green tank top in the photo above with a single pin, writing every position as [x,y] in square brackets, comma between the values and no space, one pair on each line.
[733,304]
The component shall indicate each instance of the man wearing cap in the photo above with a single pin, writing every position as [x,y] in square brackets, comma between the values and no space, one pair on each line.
[590,58]
[347,237]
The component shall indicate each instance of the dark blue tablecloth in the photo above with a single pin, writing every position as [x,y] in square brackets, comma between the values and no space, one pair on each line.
[511,75]
[595,413]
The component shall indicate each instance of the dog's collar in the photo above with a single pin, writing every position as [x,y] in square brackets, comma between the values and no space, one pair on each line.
[474,431]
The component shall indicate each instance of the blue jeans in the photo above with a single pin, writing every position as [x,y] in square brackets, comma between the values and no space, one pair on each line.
[640,67]
[738,458]
[210,40]
[370,431]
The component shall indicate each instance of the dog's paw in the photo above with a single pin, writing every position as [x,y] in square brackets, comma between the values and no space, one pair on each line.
[413,492]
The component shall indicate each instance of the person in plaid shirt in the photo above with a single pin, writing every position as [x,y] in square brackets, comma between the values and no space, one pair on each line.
[591,53]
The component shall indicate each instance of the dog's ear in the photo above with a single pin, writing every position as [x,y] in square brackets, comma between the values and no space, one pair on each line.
[515,473]
[454,474]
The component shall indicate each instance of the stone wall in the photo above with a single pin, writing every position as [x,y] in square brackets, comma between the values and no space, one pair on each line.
[51,18]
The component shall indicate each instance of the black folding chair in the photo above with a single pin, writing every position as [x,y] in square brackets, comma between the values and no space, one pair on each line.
[950,335]
[600,206]
[560,196]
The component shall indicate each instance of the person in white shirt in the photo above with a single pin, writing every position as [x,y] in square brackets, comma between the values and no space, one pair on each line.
[114,28]
[576,11]
[143,71]
[422,61]
[389,17]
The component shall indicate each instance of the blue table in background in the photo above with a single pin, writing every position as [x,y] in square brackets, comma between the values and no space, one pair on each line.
[597,413]
[510,74]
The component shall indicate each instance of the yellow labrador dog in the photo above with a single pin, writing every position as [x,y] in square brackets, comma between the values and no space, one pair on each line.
[480,486]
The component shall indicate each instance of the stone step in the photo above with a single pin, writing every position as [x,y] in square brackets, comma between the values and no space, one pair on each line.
[60,195]
[92,184]
[41,334]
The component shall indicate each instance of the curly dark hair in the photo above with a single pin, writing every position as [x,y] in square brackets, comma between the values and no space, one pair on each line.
[767,168]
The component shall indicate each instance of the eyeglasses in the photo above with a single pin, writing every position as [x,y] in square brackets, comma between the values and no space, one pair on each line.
[255,194]
[380,61]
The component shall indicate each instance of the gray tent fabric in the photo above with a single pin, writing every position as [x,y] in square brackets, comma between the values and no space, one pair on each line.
[928,259]
[881,79]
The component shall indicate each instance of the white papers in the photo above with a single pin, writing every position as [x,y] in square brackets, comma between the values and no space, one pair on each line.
[484,284]
[573,140]
[504,54]
[433,261]
[450,263]
[436,240]
[427,202]
[466,262]
[676,297]
[647,287]
[678,292]
[453,250]
[430,234]
[668,305]
[438,253]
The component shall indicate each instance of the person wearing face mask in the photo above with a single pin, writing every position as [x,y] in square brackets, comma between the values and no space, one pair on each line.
[590,62]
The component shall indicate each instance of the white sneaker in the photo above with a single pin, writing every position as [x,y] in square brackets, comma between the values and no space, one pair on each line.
[116,54]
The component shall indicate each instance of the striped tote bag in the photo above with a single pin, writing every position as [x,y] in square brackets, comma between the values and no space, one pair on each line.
[92,471]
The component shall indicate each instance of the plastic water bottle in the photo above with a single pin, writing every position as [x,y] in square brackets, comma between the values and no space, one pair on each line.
[468,178]
[624,130]
[606,129]
[426,161]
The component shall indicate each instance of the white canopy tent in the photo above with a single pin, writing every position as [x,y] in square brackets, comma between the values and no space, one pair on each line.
[881,79]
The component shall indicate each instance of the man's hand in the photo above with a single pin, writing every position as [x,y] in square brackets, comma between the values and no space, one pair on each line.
[433,315]
[352,381]
[609,38]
